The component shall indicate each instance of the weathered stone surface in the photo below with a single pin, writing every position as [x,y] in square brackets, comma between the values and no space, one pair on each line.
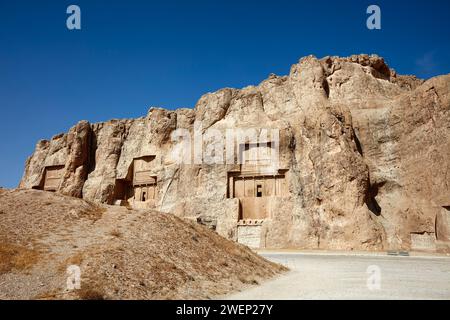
[71,151]
[106,146]
[364,154]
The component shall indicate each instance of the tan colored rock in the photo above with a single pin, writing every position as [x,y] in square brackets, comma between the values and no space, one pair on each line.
[69,151]
[364,159]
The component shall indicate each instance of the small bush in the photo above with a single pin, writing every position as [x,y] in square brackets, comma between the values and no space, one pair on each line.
[89,293]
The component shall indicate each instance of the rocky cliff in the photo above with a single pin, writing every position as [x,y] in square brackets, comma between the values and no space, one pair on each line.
[364,159]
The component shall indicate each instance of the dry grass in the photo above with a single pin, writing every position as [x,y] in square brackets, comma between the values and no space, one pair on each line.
[122,254]
[16,258]
[85,293]
[94,212]
[75,260]
[90,293]
[116,233]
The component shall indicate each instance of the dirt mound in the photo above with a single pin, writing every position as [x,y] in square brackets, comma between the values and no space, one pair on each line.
[121,253]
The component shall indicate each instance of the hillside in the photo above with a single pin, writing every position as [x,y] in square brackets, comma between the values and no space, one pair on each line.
[122,253]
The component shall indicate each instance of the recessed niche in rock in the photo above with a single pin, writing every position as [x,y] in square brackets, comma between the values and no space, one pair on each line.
[51,178]
[139,188]
[423,241]
[257,185]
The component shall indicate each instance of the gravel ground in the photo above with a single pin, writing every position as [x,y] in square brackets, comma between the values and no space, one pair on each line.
[354,277]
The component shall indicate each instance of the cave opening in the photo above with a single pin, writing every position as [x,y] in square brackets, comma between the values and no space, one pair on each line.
[371,199]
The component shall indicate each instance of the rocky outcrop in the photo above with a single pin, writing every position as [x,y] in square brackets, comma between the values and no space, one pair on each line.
[363,159]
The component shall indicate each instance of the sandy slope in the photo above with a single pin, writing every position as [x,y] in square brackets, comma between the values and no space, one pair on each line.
[123,254]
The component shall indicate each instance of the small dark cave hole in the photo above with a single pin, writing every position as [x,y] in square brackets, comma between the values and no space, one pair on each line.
[374,207]
[92,152]
[371,200]
[326,87]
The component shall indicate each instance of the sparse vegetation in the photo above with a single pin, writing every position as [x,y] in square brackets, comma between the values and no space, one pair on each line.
[93,211]
[122,254]
[76,260]
[16,258]
[116,233]
[90,293]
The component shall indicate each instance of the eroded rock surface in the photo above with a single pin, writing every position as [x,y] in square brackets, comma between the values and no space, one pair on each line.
[364,160]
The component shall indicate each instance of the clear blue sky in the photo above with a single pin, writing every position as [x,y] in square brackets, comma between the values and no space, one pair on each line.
[133,54]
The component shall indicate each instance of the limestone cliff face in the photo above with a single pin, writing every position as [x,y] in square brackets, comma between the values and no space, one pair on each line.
[364,160]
